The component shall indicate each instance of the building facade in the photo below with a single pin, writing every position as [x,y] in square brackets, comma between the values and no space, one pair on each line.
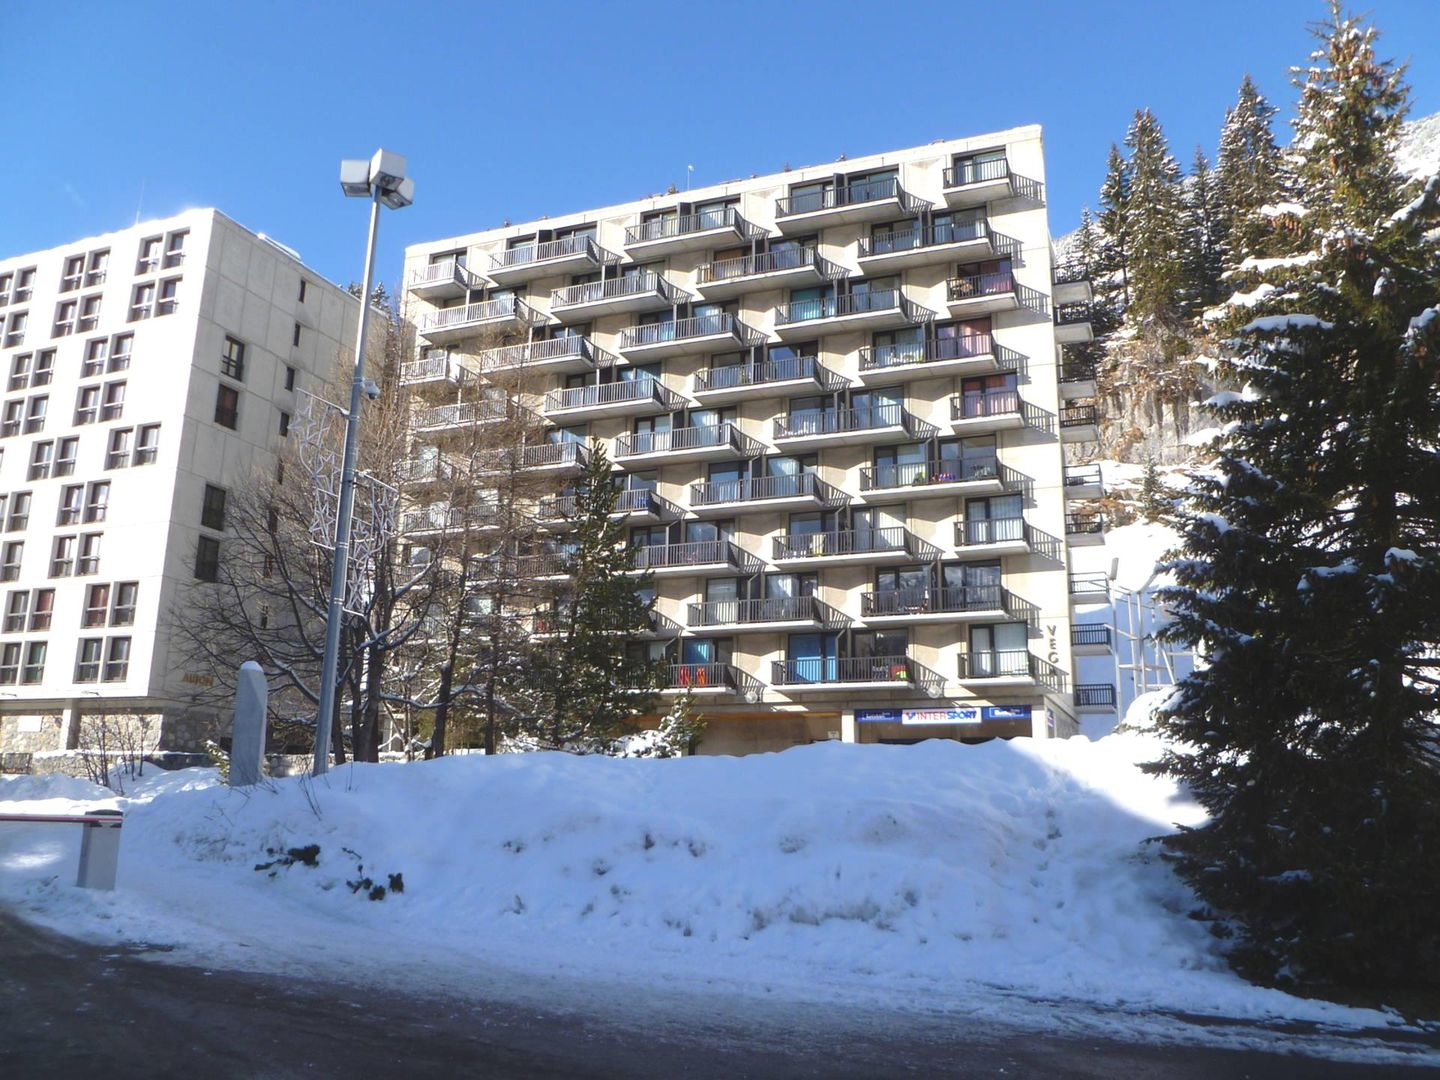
[839,402]
[149,372]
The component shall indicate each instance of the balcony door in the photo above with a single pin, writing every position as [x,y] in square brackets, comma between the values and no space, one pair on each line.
[817,302]
[877,528]
[880,407]
[968,459]
[990,395]
[973,584]
[960,339]
[791,586]
[812,657]
[714,215]
[994,520]
[897,466]
[972,167]
[903,346]
[999,649]
[703,531]
[556,436]
[807,197]
[874,294]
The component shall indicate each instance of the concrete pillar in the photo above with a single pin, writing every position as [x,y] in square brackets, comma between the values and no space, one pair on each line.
[849,730]
[1039,722]
[247,734]
[70,727]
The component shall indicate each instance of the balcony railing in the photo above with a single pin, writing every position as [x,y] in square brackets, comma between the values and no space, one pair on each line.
[761,488]
[770,609]
[446,271]
[1084,524]
[672,225]
[565,247]
[1095,696]
[700,326]
[429,368]
[996,664]
[1076,371]
[900,670]
[426,470]
[810,422]
[760,372]
[767,262]
[1082,476]
[692,553]
[708,676]
[977,172]
[1090,635]
[889,538]
[969,286]
[1071,314]
[971,406]
[1003,530]
[536,352]
[616,288]
[845,305]
[597,395]
[698,437]
[1089,583]
[630,501]
[546,455]
[1079,416]
[971,346]
[484,311]
[922,601]
[927,473]
[462,414]
[841,195]
[918,237]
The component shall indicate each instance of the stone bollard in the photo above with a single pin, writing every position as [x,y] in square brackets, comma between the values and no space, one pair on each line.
[99,850]
[247,735]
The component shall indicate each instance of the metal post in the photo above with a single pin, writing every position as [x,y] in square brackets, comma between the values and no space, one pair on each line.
[99,850]
[339,569]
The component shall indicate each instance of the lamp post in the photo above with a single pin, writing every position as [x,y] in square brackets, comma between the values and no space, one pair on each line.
[382,179]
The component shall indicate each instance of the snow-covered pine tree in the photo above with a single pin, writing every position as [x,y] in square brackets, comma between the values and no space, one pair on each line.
[1087,254]
[1114,210]
[1201,236]
[1309,571]
[1154,227]
[1248,174]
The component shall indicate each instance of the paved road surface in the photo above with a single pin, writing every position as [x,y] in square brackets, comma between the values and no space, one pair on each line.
[73,1010]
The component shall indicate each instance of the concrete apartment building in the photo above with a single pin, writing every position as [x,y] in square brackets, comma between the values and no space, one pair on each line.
[148,372]
[840,400]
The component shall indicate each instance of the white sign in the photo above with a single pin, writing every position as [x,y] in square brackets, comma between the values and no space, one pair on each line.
[940,716]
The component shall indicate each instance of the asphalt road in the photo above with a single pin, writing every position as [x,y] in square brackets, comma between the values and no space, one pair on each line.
[74,1010]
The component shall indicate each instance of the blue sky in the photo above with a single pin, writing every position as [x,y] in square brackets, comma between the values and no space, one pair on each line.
[534,108]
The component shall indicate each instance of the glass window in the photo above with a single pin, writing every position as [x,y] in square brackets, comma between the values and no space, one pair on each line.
[34,669]
[10,662]
[117,659]
[97,605]
[232,359]
[212,509]
[42,609]
[87,660]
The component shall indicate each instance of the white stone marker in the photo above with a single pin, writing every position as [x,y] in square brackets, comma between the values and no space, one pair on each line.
[247,735]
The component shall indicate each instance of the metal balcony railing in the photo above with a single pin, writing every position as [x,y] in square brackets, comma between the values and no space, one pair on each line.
[970,346]
[429,368]
[1082,475]
[596,395]
[1002,530]
[554,454]
[970,286]
[461,415]
[670,226]
[1071,314]
[761,488]
[442,518]
[1090,635]
[510,307]
[889,538]
[951,598]
[971,406]
[1079,416]
[544,251]
[449,270]
[707,676]
[844,305]
[760,372]
[1089,583]
[973,227]
[996,664]
[770,609]
[535,352]
[977,172]
[1084,524]
[1095,695]
[698,437]
[841,195]
[897,669]
[692,553]
[629,501]
[426,471]
[699,326]
[615,288]
[550,564]
[926,473]
[809,422]
[767,262]
[1076,370]
[1069,275]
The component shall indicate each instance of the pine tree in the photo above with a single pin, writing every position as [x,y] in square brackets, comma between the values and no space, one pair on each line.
[1310,565]
[583,681]
[1154,227]
[1202,236]
[1114,223]
[1247,174]
[1088,255]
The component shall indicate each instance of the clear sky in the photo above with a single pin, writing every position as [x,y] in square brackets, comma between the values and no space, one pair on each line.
[522,109]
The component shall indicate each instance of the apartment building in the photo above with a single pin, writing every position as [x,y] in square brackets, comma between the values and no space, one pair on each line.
[148,373]
[840,400]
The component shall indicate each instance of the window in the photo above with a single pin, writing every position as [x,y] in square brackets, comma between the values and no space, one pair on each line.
[89,313]
[97,267]
[120,347]
[212,508]
[122,612]
[93,362]
[232,359]
[41,457]
[24,281]
[113,402]
[9,663]
[142,301]
[147,444]
[34,669]
[169,297]
[15,332]
[89,561]
[284,425]
[14,416]
[10,560]
[19,372]
[117,659]
[87,660]
[42,608]
[16,608]
[207,559]
[97,606]
[117,453]
[72,273]
[44,368]
[6,281]
[72,498]
[65,454]
[35,410]
[295,337]
[175,248]
[19,512]
[289,378]
[65,318]
[97,501]
[87,405]
[303,285]
[149,259]
[227,407]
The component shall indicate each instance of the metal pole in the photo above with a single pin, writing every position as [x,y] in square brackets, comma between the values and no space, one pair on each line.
[340,567]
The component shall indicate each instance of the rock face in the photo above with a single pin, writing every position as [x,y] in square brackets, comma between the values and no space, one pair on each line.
[1419,152]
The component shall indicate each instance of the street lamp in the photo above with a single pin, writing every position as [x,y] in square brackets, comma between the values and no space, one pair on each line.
[382,180]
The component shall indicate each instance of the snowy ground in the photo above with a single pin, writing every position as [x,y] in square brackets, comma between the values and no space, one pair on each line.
[1003,882]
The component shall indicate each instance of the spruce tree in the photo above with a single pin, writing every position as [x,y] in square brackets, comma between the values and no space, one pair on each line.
[1248,174]
[1088,255]
[1309,573]
[1154,227]
[1114,222]
[1202,238]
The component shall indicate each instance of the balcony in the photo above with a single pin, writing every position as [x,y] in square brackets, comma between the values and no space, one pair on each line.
[1094,698]
[462,416]
[704,442]
[549,258]
[977,294]
[764,378]
[955,603]
[558,356]
[628,397]
[694,557]
[637,505]
[710,680]
[1077,378]
[430,470]
[563,457]
[441,373]
[433,520]
[964,241]
[786,268]
[1091,640]
[645,291]
[446,280]
[1083,482]
[884,309]
[973,354]
[720,332]
[1071,286]
[849,427]
[773,613]
[893,673]
[1084,530]
[457,323]
[1089,589]
[1072,323]
[993,410]
[1079,422]
[908,481]
[998,667]
[987,538]
[792,491]
[547,566]
[886,544]
[974,183]
[677,233]
[842,204]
